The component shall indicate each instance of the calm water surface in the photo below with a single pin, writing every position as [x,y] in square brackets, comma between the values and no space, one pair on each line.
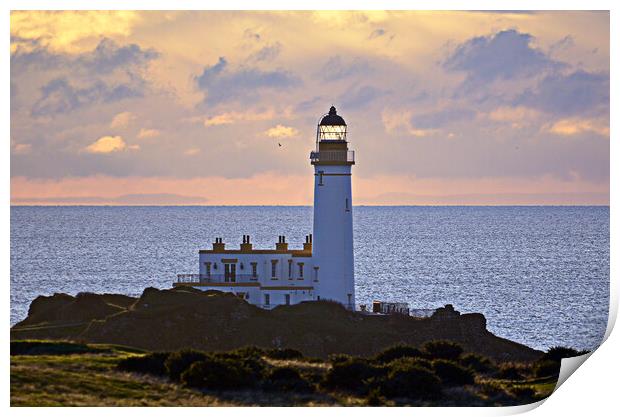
[539,274]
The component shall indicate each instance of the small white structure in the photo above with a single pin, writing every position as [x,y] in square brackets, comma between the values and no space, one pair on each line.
[321,270]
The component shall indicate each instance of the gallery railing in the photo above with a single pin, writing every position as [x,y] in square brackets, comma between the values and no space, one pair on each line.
[214,278]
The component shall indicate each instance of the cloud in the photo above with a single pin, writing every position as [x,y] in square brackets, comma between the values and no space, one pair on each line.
[122,120]
[441,118]
[228,118]
[504,55]
[108,56]
[513,114]
[281,131]
[222,85]
[395,121]
[107,144]
[266,53]
[569,94]
[59,96]
[360,97]
[191,151]
[22,148]
[68,31]
[376,33]
[336,68]
[575,126]
[148,133]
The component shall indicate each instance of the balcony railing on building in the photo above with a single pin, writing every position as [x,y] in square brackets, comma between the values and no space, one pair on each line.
[214,278]
[332,156]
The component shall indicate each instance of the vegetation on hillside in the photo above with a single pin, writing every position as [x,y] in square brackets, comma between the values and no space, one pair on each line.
[437,373]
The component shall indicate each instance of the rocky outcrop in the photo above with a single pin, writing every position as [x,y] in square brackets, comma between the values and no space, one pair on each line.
[190,318]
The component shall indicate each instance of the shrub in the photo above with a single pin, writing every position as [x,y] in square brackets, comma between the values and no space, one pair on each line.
[511,371]
[151,363]
[397,352]
[443,349]
[352,375]
[477,363]
[339,357]
[374,398]
[248,351]
[218,373]
[557,353]
[412,382]
[451,373]
[546,368]
[178,362]
[409,362]
[524,394]
[284,354]
[286,378]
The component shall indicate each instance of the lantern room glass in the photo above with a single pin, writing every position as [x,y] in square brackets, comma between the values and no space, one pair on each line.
[331,132]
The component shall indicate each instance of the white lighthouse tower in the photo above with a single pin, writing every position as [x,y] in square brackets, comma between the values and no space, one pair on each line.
[332,244]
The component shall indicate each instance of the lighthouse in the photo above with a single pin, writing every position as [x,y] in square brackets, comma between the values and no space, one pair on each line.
[333,211]
[322,269]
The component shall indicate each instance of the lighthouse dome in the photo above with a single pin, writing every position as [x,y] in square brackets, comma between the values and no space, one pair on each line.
[332,119]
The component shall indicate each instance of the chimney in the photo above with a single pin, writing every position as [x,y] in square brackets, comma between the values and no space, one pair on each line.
[246,246]
[282,245]
[218,245]
[308,244]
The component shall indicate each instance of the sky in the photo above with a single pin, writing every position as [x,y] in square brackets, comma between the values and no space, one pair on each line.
[446,108]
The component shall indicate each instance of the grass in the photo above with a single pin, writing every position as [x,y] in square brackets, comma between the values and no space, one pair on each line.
[65,374]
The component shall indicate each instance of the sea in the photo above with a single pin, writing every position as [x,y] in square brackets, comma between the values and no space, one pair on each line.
[540,275]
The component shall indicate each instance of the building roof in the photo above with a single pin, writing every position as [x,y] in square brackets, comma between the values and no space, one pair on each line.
[332,119]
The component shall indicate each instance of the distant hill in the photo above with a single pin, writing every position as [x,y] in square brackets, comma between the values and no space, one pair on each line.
[213,321]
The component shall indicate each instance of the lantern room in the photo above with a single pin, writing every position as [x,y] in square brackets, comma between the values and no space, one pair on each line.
[331,127]
[331,141]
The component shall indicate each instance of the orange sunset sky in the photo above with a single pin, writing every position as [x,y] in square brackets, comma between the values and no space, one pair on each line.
[189,107]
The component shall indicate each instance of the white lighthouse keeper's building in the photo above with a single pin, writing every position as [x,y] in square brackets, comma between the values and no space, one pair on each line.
[323,268]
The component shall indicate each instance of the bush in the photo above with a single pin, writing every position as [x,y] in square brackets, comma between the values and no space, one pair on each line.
[397,352]
[510,371]
[286,378]
[284,354]
[451,373]
[477,363]
[412,382]
[179,362]
[248,351]
[524,394]
[218,373]
[557,353]
[443,349]
[339,358]
[409,362]
[352,375]
[152,363]
[374,398]
[546,368]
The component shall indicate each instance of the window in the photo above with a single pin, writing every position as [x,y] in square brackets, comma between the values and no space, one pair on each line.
[290,269]
[274,262]
[320,177]
[346,204]
[208,269]
[301,270]
[316,273]
[287,298]
[254,274]
[266,299]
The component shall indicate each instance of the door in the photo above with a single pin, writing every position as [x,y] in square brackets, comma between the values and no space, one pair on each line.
[230,272]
